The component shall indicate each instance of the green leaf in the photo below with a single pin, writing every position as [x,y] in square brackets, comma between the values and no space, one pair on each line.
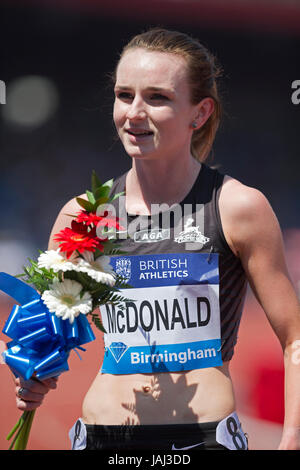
[39,278]
[101,200]
[109,183]
[91,197]
[102,192]
[96,183]
[85,204]
[97,321]
[117,195]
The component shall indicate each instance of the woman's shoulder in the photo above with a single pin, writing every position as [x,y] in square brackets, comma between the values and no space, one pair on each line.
[70,208]
[238,198]
[245,213]
[72,204]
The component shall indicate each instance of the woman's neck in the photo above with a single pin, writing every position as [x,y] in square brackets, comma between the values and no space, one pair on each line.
[151,182]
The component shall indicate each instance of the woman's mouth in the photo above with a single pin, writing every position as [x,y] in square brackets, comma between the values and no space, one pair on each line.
[139,133]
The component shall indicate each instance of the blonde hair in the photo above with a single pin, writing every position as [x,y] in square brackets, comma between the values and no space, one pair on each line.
[202,74]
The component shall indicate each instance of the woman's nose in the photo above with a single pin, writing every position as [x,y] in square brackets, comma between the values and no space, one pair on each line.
[136,109]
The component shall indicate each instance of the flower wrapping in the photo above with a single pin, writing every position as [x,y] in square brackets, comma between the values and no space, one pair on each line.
[41,341]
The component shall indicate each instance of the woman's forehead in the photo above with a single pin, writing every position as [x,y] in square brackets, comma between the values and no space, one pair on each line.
[153,66]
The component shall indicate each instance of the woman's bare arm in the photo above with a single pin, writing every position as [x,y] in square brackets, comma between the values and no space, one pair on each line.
[253,232]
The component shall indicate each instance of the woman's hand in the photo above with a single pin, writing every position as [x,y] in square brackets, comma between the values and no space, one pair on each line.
[30,393]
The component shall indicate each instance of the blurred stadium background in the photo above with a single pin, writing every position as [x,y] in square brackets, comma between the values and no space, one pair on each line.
[56,126]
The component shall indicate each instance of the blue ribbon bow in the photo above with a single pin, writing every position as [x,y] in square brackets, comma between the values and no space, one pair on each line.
[41,341]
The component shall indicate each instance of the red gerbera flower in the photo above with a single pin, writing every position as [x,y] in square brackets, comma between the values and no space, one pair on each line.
[78,238]
[88,218]
[91,218]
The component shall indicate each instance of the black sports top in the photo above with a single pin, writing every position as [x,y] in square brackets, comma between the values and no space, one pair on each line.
[187,287]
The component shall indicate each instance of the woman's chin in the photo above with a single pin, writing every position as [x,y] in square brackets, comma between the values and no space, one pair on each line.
[139,154]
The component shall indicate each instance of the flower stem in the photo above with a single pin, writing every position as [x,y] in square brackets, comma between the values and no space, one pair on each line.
[22,430]
[18,427]
[12,432]
[28,428]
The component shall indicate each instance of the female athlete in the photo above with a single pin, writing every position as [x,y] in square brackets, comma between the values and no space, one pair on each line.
[196,237]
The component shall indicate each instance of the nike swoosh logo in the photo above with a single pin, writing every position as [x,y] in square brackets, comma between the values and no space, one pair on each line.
[186,448]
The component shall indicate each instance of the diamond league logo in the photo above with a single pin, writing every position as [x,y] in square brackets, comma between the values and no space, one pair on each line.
[118,349]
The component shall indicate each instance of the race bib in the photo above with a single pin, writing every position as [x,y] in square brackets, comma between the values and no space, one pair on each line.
[229,433]
[172,322]
[77,435]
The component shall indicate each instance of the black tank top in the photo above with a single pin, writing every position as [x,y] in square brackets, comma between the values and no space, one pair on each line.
[172,254]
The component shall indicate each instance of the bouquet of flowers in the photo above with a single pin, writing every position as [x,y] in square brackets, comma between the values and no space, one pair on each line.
[58,291]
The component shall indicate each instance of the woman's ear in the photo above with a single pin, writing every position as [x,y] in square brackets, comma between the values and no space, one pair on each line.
[203,111]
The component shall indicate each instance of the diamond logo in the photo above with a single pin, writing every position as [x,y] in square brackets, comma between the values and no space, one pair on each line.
[118,349]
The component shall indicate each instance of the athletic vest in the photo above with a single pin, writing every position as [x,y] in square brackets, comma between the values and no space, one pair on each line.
[186,287]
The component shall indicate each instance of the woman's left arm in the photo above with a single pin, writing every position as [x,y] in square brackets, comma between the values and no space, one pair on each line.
[253,232]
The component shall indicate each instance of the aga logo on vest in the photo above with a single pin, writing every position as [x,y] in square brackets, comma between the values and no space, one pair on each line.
[150,236]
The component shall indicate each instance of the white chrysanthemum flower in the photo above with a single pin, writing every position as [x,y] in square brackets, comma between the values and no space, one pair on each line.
[63,299]
[100,269]
[52,259]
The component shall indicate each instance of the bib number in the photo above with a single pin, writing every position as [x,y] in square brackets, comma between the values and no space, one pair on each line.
[234,433]
[77,435]
[229,433]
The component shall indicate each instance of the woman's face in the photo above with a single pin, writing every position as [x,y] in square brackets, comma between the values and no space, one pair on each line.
[152,108]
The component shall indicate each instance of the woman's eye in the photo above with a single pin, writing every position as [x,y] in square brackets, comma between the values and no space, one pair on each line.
[127,96]
[158,96]
[124,95]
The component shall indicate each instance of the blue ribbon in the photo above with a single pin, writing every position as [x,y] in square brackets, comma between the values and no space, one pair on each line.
[41,341]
